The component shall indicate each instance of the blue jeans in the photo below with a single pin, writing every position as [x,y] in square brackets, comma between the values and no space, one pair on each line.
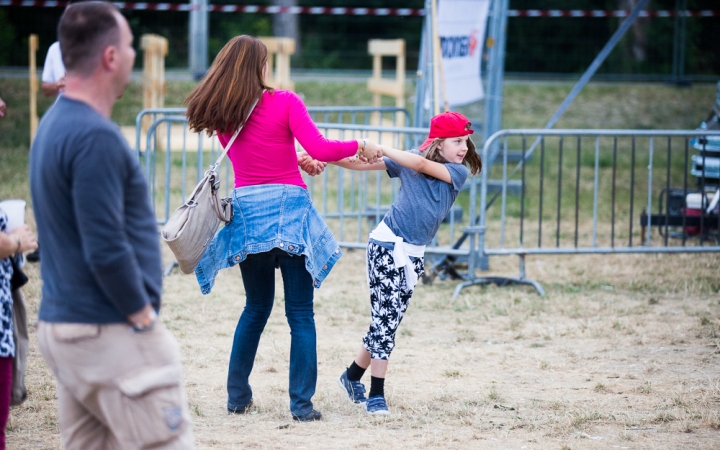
[258,274]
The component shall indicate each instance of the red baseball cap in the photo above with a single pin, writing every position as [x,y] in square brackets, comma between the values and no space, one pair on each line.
[446,125]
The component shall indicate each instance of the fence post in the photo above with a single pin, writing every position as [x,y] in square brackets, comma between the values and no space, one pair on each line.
[377,85]
[155,48]
[33,48]
[198,38]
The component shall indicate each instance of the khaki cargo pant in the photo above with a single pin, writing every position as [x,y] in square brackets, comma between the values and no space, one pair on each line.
[117,389]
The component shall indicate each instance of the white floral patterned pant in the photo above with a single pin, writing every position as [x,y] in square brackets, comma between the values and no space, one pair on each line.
[389,299]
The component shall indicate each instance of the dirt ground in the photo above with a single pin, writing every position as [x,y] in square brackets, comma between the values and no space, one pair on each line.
[623,352]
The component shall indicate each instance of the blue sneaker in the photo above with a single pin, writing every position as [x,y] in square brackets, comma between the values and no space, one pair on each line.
[377,406]
[355,390]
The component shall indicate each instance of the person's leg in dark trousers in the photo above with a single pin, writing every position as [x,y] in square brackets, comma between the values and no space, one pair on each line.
[299,291]
[258,274]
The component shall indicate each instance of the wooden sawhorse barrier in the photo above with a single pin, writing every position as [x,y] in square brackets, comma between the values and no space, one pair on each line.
[382,86]
[281,48]
[155,48]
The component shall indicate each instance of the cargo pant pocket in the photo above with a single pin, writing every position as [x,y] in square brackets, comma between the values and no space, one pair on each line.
[70,333]
[154,404]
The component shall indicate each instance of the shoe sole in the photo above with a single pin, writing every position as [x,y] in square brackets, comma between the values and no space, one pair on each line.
[379,413]
[342,386]
[314,419]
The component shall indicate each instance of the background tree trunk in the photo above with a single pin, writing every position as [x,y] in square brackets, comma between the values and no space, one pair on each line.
[638,38]
[287,25]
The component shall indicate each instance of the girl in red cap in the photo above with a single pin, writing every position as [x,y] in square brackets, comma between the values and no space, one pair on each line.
[431,178]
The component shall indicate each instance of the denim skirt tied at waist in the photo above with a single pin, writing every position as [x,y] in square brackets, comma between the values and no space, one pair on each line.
[265,217]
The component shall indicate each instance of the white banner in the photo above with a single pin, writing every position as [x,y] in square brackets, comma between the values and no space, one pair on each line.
[461,27]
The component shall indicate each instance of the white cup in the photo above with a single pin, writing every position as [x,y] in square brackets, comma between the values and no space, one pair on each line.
[15,210]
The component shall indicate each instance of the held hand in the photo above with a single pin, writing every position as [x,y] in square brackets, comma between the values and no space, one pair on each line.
[371,153]
[28,240]
[3,108]
[144,319]
[320,166]
[302,157]
[314,167]
[309,165]
[304,161]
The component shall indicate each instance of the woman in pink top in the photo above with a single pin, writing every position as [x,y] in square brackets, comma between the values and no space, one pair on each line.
[274,223]
[264,151]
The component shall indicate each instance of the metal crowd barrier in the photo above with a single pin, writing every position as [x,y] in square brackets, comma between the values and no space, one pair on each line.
[352,202]
[595,192]
[572,191]
[147,117]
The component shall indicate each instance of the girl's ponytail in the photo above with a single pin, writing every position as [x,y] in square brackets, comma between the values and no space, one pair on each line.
[472,158]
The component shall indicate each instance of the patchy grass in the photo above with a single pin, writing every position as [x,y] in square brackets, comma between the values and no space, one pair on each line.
[591,384]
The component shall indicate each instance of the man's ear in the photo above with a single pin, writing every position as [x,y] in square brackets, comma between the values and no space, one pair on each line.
[109,57]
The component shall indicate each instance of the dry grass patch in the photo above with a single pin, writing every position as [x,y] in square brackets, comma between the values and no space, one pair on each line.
[636,366]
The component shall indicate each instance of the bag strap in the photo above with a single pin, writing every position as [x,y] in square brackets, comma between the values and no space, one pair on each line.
[212,170]
[232,139]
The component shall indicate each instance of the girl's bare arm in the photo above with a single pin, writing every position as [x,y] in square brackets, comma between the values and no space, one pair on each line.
[359,165]
[418,163]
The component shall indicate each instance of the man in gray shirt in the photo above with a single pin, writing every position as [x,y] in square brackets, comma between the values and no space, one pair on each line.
[118,369]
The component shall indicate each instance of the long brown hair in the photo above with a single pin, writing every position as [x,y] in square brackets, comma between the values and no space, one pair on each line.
[471,157]
[222,100]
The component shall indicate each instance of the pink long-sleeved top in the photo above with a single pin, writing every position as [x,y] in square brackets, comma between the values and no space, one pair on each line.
[264,150]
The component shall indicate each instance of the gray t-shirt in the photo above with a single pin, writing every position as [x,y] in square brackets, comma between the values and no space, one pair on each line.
[422,202]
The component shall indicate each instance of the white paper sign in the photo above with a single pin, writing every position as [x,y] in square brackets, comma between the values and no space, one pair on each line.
[461,27]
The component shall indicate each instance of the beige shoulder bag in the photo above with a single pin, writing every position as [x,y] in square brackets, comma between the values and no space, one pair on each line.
[194,223]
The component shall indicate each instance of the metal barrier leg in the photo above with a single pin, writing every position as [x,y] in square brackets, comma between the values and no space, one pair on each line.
[499,281]
[522,280]
[502,281]
[479,253]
